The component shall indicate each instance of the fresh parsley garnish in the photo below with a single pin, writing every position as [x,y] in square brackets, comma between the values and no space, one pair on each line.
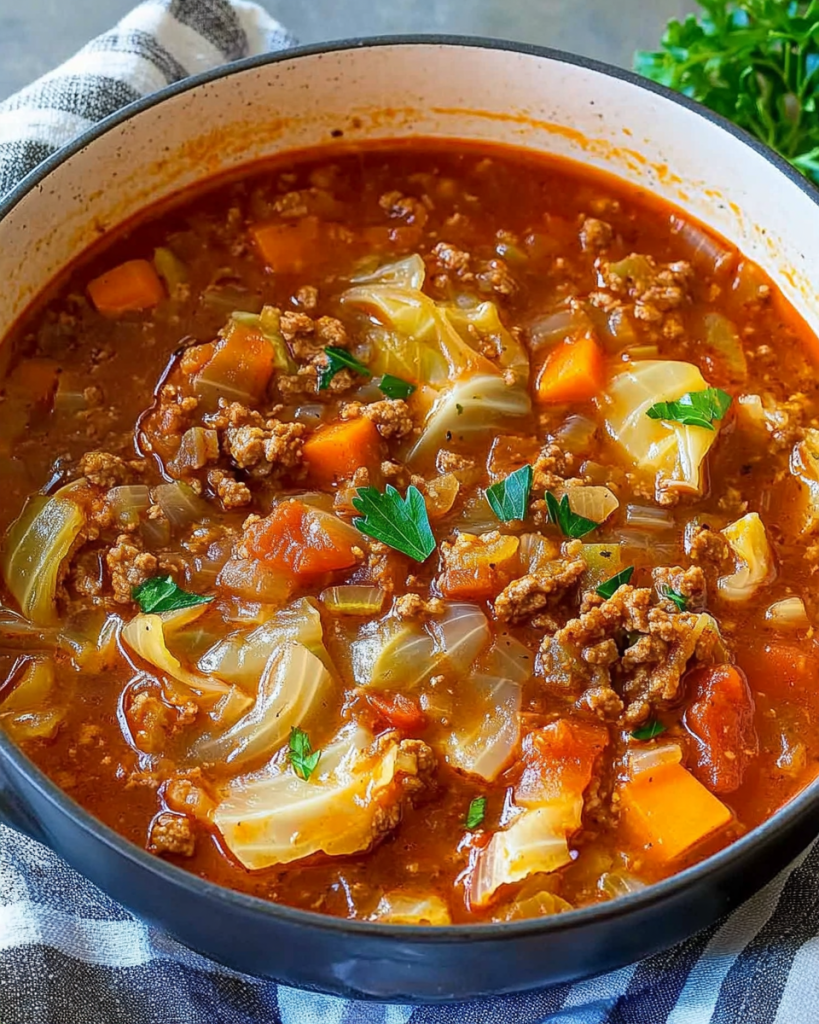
[753,61]
[694,409]
[476,812]
[649,731]
[401,523]
[674,597]
[610,587]
[569,522]
[161,594]
[509,498]
[338,359]
[394,387]
[301,754]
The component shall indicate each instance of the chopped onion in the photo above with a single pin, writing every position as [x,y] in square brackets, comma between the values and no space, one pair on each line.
[552,328]
[594,503]
[788,613]
[576,434]
[411,908]
[647,757]
[353,599]
[197,448]
[705,252]
[127,503]
[619,883]
[540,904]
[172,270]
[721,336]
[461,633]
[649,517]
[508,659]
[311,414]
[536,551]
[181,505]
[440,495]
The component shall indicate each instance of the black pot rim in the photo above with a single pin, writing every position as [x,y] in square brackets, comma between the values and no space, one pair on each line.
[725,861]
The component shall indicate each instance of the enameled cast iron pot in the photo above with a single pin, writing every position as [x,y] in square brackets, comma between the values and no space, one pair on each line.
[394,88]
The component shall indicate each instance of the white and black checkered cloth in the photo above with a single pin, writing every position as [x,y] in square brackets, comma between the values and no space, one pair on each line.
[70,955]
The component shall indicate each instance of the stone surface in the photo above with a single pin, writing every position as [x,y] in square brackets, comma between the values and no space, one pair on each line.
[35,35]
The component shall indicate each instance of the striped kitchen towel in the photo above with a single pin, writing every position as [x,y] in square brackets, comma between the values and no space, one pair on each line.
[70,955]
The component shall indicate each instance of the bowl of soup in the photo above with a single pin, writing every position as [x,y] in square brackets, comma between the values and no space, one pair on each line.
[411,498]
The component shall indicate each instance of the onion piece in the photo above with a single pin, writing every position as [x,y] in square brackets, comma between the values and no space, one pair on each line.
[594,503]
[647,757]
[255,581]
[197,448]
[705,252]
[440,495]
[552,328]
[509,659]
[127,503]
[353,599]
[576,433]
[721,336]
[411,908]
[649,517]
[181,505]
[619,883]
[789,613]
[536,551]
[462,632]
[540,904]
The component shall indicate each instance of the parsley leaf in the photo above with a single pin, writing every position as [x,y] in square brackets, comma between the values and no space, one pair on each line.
[402,523]
[753,61]
[338,359]
[694,409]
[569,522]
[649,731]
[394,387]
[509,498]
[161,594]
[674,597]
[301,754]
[476,812]
[610,587]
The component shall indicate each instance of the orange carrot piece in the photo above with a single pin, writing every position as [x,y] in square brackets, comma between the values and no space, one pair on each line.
[287,247]
[478,582]
[130,286]
[297,539]
[333,453]
[572,373]
[669,811]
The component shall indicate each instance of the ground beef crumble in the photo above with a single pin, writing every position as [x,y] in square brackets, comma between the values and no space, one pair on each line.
[128,566]
[530,594]
[172,833]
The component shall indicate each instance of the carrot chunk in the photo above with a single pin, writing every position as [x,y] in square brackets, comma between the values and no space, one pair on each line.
[130,286]
[333,453]
[669,811]
[287,247]
[572,373]
[300,540]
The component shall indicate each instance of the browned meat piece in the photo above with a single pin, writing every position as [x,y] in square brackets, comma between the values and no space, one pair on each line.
[530,594]
[449,257]
[553,468]
[173,416]
[307,297]
[152,721]
[655,289]
[708,548]
[689,583]
[276,446]
[103,469]
[452,462]
[391,416]
[86,575]
[230,491]
[128,566]
[595,235]
[413,606]
[172,833]
[408,208]
[308,338]
[495,276]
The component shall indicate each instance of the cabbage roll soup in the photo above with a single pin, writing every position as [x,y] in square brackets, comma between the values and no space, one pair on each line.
[414,534]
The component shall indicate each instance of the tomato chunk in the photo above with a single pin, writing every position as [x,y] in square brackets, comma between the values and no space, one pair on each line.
[558,760]
[302,540]
[397,710]
[721,721]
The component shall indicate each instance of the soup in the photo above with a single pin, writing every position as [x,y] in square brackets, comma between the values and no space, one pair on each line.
[418,534]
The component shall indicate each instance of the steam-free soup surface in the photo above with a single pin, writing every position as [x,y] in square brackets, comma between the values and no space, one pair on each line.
[414,534]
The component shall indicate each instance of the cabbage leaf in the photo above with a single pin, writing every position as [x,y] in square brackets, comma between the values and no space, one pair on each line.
[755,562]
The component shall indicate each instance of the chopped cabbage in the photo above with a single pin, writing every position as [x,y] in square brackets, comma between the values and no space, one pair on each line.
[275,817]
[411,908]
[483,321]
[28,712]
[461,633]
[36,545]
[805,468]
[486,731]
[755,561]
[408,272]
[394,655]
[673,452]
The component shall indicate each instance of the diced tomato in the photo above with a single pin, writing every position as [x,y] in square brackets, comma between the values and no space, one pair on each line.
[781,669]
[558,760]
[397,710]
[302,540]
[478,582]
[721,720]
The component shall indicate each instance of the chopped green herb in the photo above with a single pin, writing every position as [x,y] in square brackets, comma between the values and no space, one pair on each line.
[694,409]
[610,587]
[394,387]
[161,594]
[402,523]
[301,754]
[338,359]
[754,62]
[674,597]
[649,731]
[476,812]
[460,408]
[509,498]
[569,522]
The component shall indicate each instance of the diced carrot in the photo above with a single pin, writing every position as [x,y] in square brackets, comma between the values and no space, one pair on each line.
[397,710]
[130,286]
[572,373]
[239,368]
[721,719]
[558,760]
[333,453]
[301,540]
[35,380]
[287,247]
[668,811]
[478,567]
[478,582]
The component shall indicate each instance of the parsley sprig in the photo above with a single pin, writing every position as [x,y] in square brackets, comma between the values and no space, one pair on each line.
[161,594]
[571,524]
[476,812]
[649,731]
[301,754]
[394,387]
[338,359]
[694,409]
[509,498]
[401,523]
[610,587]
[674,597]
[754,61]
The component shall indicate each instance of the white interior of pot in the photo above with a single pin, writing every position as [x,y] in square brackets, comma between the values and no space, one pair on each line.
[400,90]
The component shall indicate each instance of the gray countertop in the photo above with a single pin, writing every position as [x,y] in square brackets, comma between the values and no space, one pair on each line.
[36,35]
